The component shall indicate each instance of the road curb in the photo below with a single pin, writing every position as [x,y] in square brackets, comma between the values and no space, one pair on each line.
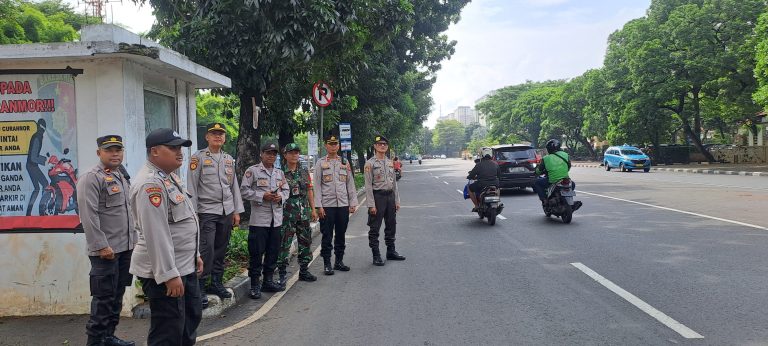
[688,170]
[238,285]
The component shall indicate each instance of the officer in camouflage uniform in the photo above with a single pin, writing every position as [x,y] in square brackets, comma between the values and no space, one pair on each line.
[298,210]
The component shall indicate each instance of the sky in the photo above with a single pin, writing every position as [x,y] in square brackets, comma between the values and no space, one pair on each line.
[499,42]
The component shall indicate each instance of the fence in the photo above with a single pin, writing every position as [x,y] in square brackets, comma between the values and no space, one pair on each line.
[740,154]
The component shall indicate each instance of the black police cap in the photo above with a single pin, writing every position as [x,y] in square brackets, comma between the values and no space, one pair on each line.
[166,136]
[109,141]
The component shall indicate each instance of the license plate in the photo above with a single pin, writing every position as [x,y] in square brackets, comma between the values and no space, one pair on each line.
[516,169]
[567,193]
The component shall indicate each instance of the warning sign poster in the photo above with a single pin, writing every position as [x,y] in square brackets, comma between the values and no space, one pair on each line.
[38,146]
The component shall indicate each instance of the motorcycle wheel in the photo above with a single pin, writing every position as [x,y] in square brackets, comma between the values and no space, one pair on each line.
[567,212]
[491,214]
[47,204]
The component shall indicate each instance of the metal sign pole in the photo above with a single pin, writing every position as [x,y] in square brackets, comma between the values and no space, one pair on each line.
[321,135]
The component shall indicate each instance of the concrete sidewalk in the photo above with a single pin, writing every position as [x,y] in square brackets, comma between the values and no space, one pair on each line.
[70,329]
[758,170]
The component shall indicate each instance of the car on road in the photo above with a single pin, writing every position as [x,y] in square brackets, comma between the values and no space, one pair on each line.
[626,158]
[518,164]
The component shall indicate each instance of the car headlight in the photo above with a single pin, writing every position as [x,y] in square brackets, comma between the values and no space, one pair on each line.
[533,165]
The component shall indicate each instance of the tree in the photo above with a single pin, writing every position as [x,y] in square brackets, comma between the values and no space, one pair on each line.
[23,21]
[448,137]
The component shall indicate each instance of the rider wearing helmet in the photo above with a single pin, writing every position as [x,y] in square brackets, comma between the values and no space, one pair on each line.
[554,166]
[486,172]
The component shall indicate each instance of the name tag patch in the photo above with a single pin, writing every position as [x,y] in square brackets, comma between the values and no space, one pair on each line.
[262,182]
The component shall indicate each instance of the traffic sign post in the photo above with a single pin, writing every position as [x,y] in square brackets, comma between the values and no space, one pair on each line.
[345,136]
[322,95]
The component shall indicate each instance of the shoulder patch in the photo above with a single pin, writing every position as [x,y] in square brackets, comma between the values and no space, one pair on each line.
[248,173]
[153,189]
[156,199]
[193,163]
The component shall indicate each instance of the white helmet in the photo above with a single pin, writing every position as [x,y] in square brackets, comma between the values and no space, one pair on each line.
[486,152]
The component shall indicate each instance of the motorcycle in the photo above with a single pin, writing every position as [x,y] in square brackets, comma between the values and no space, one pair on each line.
[398,174]
[419,161]
[490,204]
[560,201]
[59,196]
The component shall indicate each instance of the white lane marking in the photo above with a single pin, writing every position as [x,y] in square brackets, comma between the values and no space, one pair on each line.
[459,191]
[681,211]
[268,305]
[436,177]
[678,182]
[640,304]
[446,183]
[501,217]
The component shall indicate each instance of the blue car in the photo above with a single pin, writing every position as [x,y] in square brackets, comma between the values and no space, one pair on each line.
[626,158]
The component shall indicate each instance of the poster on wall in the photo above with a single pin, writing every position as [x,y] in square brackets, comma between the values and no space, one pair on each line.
[38,147]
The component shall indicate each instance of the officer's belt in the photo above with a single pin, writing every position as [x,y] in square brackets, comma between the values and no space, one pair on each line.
[382,192]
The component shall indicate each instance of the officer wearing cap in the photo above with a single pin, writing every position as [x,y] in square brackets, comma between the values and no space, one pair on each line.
[108,227]
[265,187]
[335,199]
[299,210]
[383,200]
[216,196]
[166,258]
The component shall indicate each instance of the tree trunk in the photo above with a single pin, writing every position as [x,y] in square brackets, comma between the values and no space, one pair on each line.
[583,140]
[697,113]
[348,155]
[697,143]
[361,159]
[249,139]
[285,136]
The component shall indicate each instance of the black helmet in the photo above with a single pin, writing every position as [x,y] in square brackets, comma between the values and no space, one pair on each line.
[553,145]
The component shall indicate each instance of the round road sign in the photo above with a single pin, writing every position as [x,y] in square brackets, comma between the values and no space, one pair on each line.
[322,94]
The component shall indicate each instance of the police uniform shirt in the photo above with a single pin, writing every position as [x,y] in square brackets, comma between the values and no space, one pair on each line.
[379,175]
[257,181]
[104,210]
[334,184]
[212,182]
[167,225]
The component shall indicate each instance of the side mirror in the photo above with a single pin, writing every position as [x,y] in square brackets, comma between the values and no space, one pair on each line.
[66,151]
[47,154]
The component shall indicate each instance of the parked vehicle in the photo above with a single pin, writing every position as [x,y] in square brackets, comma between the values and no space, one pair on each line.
[560,201]
[398,174]
[490,204]
[60,195]
[517,163]
[626,158]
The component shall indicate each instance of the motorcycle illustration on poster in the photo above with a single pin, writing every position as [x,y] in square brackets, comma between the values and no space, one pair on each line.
[38,146]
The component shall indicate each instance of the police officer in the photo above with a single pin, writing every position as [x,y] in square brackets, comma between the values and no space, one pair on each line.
[335,199]
[383,200]
[108,228]
[265,187]
[166,258]
[299,208]
[216,196]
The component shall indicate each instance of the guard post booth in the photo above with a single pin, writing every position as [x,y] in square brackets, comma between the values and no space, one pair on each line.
[55,100]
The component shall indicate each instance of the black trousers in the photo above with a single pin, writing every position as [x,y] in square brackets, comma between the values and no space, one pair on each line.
[385,210]
[108,279]
[263,248]
[336,218]
[174,320]
[215,231]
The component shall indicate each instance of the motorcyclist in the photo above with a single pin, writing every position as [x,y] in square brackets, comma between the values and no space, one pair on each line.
[554,167]
[485,173]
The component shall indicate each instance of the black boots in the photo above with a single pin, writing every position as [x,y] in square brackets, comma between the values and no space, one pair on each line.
[305,275]
[393,255]
[377,261]
[271,286]
[203,296]
[327,268]
[282,276]
[255,292]
[217,287]
[340,266]
[115,341]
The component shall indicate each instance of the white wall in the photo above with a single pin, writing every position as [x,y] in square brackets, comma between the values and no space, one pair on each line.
[47,273]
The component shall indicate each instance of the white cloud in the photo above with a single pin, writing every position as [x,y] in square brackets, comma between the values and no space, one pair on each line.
[138,19]
[493,54]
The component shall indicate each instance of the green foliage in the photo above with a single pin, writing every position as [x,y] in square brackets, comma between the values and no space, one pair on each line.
[23,21]
[448,137]
[237,252]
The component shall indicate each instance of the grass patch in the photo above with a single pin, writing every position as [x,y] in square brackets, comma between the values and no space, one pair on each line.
[237,253]
[359,181]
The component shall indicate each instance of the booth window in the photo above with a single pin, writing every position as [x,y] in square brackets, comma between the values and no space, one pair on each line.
[159,111]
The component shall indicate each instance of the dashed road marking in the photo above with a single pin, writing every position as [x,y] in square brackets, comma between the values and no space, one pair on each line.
[446,183]
[680,211]
[501,217]
[459,191]
[639,303]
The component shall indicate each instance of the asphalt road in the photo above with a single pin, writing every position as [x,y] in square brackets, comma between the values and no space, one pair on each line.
[688,249]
